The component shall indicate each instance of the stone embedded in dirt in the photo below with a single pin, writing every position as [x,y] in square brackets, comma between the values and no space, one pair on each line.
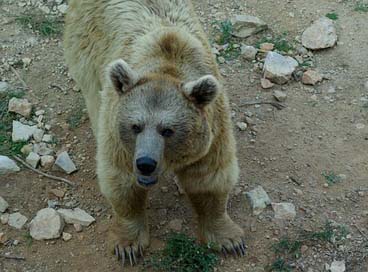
[242,126]
[22,132]
[38,135]
[42,149]
[258,199]
[58,193]
[176,225]
[47,161]
[26,62]
[338,266]
[278,68]
[4,87]
[3,238]
[17,220]
[266,47]
[64,162]
[40,112]
[3,205]
[47,138]
[62,8]
[248,52]
[7,166]
[266,84]
[284,211]
[78,227]
[46,225]
[4,218]
[280,96]
[26,149]
[244,26]
[20,106]
[76,216]
[67,236]
[33,159]
[311,77]
[320,35]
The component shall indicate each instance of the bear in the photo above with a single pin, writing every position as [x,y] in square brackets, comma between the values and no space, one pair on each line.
[157,105]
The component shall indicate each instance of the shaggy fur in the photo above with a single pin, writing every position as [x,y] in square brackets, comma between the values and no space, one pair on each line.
[167,78]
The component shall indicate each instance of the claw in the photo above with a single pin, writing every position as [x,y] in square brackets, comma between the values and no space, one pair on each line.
[130,257]
[133,255]
[224,252]
[140,248]
[122,254]
[242,249]
[116,252]
[235,253]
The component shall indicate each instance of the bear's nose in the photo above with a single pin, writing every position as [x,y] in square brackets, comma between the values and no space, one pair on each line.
[146,165]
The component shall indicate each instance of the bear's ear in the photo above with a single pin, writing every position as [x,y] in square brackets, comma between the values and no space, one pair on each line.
[122,76]
[202,91]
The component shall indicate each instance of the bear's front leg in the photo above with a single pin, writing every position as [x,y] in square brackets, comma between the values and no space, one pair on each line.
[129,234]
[215,225]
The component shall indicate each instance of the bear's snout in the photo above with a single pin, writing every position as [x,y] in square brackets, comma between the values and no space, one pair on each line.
[146,165]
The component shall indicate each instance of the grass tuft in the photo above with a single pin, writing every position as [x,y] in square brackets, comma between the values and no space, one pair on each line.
[183,254]
[332,15]
[280,42]
[331,177]
[361,7]
[45,25]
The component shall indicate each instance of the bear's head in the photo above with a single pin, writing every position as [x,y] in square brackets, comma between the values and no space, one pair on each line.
[162,122]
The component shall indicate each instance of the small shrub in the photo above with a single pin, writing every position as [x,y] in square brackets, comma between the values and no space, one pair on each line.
[333,16]
[45,25]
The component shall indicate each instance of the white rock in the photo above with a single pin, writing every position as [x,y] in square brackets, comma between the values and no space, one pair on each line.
[311,77]
[76,216]
[64,162]
[26,62]
[258,199]
[67,236]
[321,34]
[3,205]
[280,96]
[17,220]
[4,218]
[338,266]
[22,132]
[38,135]
[47,138]
[4,88]
[33,159]
[266,84]
[242,126]
[284,211]
[42,149]
[248,52]
[7,166]
[63,8]
[20,106]
[244,26]
[39,112]
[278,68]
[47,161]
[46,225]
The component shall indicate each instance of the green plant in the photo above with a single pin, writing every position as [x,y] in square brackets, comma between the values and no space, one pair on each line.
[45,25]
[331,177]
[332,15]
[280,42]
[280,265]
[288,246]
[183,254]
[28,239]
[362,7]
[226,29]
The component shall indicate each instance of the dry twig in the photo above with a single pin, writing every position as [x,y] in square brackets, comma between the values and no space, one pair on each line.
[18,258]
[277,105]
[44,174]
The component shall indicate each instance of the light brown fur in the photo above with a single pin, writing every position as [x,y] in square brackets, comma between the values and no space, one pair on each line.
[164,42]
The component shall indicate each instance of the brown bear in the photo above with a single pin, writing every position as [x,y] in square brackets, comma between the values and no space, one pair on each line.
[156,104]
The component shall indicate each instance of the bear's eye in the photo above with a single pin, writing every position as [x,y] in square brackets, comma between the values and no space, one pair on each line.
[167,133]
[137,129]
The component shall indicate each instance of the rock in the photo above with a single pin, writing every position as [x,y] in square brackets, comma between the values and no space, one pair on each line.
[47,138]
[321,34]
[40,112]
[17,220]
[280,96]
[26,149]
[248,52]
[266,84]
[3,238]
[244,26]
[42,149]
[311,77]
[258,199]
[284,211]
[26,62]
[4,88]
[58,193]
[46,225]
[20,106]
[33,159]
[3,205]
[76,216]
[47,161]
[338,266]
[78,227]
[67,236]
[62,8]
[241,126]
[4,218]
[278,68]
[176,225]
[22,132]
[64,162]
[267,47]
[221,60]
[38,135]
[7,166]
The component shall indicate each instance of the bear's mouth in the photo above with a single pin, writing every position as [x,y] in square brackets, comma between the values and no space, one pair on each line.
[147,181]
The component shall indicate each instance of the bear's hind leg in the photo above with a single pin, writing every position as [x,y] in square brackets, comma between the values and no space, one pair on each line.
[129,234]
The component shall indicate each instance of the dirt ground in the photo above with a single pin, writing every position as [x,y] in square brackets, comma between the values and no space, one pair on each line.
[319,131]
